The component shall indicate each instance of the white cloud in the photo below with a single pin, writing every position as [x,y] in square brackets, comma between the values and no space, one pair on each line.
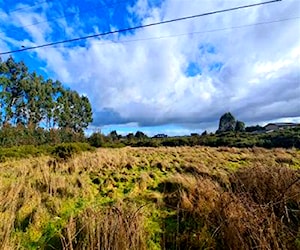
[251,71]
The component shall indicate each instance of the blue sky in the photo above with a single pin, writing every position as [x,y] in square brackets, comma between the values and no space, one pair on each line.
[176,78]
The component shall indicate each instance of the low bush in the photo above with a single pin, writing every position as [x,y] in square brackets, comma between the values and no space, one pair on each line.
[96,140]
[60,151]
[66,151]
[175,142]
[18,152]
[146,143]
[20,135]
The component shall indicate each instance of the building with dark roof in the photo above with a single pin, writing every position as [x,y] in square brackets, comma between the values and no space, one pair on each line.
[280,125]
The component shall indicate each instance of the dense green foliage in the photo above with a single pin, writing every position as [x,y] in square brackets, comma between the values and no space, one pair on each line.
[287,138]
[66,151]
[256,128]
[37,141]
[239,126]
[21,135]
[63,151]
[27,99]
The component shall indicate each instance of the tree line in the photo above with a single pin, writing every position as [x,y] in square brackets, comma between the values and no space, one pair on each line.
[30,101]
[37,111]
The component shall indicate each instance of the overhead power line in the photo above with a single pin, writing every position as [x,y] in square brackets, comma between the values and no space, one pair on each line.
[28,7]
[138,27]
[201,32]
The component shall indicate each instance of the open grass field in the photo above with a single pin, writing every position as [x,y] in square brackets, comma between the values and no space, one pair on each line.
[153,198]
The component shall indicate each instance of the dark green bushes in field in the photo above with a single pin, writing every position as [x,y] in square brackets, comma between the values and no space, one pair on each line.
[287,138]
[66,151]
[62,151]
[41,141]
[18,152]
[96,140]
[20,135]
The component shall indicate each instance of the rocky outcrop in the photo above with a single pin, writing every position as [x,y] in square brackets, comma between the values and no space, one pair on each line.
[227,123]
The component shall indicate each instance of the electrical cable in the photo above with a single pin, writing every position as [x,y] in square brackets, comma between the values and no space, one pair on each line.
[28,7]
[202,32]
[138,27]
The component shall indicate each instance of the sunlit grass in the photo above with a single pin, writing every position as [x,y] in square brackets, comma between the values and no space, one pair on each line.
[158,193]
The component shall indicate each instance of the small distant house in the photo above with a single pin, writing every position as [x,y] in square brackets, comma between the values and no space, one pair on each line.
[282,125]
[160,136]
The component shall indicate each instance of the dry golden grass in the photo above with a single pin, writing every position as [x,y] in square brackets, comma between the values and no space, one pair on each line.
[117,227]
[189,198]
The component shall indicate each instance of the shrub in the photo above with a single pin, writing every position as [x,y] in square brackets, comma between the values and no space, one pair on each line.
[146,143]
[66,151]
[96,140]
[18,152]
[175,142]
